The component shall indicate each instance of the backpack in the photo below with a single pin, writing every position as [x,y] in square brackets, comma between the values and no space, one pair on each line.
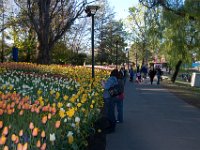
[115,90]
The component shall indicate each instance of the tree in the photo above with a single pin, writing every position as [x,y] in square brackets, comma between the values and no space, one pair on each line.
[181,33]
[139,29]
[51,19]
[111,43]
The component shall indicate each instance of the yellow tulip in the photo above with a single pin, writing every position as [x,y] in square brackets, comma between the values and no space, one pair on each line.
[1,124]
[70,139]
[2,140]
[43,134]
[19,146]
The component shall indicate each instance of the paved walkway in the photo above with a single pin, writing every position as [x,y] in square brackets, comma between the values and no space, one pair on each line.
[155,119]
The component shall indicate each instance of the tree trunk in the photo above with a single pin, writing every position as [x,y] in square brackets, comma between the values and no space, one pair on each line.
[43,55]
[178,65]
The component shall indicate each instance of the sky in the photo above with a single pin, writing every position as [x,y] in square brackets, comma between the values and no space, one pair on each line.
[121,7]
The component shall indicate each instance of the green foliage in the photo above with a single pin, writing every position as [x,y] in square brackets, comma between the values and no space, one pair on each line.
[111,43]
[61,54]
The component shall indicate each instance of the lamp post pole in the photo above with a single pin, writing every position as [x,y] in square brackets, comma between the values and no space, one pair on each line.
[92,39]
[116,53]
[128,60]
[91,10]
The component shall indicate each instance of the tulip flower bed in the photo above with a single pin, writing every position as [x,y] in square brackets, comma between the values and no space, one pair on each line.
[42,111]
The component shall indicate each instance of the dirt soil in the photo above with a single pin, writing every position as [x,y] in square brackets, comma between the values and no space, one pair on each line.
[189,94]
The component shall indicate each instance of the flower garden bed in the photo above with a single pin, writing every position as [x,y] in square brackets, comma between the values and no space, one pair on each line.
[48,107]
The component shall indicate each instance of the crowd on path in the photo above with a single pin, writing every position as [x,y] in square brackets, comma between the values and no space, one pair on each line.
[114,90]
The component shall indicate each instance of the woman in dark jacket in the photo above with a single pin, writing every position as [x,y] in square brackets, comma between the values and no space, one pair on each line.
[120,98]
[151,74]
[109,105]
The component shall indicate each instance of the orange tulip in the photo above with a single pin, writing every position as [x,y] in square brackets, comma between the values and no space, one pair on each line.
[44,119]
[6,148]
[35,132]
[19,106]
[43,147]
[43,134]
[26,106]
[4,106]
[49,116]
[53,110]
[8,106]
[38,144]
[17,140]
[2,140]
[31,126]
[1,104]
[13,137]
[19,146]
[1,112]
[21,133]
[10,111]
[32,109]
[37,110]
[12,105]
[57,124]
[45,108]
[5,131]
[1,124]
[21,112]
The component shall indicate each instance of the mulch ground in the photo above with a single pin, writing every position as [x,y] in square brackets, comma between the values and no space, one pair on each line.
[189,94]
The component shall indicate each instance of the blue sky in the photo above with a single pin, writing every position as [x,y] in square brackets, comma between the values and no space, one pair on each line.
[121,7]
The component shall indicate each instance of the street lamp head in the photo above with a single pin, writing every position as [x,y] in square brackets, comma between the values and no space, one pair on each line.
[91,10]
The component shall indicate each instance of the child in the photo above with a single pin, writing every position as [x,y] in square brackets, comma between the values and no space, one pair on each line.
[138,77]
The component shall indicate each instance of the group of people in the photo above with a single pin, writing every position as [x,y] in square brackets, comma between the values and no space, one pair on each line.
[138,74]
[144,71]
[117,77]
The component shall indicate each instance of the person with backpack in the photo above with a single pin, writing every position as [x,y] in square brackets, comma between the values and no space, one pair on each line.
[120,98]
[109,106]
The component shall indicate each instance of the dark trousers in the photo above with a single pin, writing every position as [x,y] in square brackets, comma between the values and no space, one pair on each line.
[109,111]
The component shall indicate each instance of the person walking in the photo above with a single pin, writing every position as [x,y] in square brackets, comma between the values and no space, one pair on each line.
[120,98]
[131,72]
[109,106]
[124,72]
[158,73]
[151,74]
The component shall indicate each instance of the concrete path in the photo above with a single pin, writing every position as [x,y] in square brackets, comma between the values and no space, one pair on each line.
[155,119]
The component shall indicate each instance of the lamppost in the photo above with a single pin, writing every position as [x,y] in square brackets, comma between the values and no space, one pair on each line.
[116,54]
[127,52]
[91,11]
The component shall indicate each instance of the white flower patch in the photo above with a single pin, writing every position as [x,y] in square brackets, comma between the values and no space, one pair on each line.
[62,109]
[70,133]
[93,93]
[52,137]
[77,119]
[69,104]
[73,125]
[24,86]
[77,100]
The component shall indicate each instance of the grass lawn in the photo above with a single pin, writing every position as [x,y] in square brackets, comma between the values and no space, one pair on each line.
[184,91]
